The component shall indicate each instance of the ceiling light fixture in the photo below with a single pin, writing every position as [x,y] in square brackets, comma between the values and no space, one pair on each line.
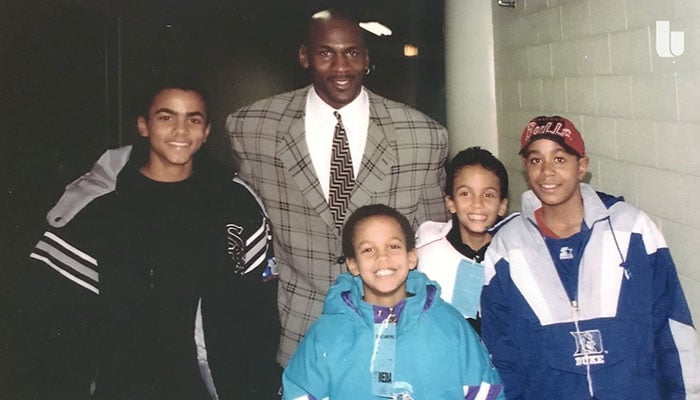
[376,28]
[506,3]
[410,50]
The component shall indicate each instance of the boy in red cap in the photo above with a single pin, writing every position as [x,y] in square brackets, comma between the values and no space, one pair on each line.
[582,298]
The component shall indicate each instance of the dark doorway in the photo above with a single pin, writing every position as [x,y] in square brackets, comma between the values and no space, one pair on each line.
[69,69]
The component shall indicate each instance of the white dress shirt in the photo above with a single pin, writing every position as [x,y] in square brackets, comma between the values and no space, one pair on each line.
[320,124]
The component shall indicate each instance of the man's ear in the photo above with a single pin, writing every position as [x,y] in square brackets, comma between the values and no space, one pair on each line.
[303,57]
[352,266]
[142,126]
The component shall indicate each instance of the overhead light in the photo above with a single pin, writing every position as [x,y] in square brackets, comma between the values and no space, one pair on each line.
[410,50]
[376,28]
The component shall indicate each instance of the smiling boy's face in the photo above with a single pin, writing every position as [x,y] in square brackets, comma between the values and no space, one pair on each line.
[476,201]
[382,260]
[554,174]
[176,128]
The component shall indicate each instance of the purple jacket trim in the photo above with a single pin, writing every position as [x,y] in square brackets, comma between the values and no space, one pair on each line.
[473,391]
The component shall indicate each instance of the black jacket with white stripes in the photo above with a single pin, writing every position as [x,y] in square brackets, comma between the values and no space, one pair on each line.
[136,274]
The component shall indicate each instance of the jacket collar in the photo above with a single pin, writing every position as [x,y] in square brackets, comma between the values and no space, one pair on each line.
[345,297]
[593,208]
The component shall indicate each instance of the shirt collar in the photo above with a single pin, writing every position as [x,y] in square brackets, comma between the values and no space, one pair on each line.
[317,106]
[455,239]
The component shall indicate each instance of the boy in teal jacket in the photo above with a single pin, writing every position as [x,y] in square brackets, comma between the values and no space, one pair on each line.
[385,332]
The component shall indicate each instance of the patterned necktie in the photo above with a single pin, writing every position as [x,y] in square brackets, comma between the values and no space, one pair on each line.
[342,179]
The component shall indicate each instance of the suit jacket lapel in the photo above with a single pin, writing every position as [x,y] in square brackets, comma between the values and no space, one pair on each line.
[294,153]
[377,162]
[379,157]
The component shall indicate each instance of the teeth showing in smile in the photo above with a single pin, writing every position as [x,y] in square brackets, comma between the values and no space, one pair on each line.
[384,272]
[178,144]
[477,217]
[548,186]
[341,82]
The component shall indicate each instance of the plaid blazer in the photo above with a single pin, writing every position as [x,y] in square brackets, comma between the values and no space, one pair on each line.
[402,166]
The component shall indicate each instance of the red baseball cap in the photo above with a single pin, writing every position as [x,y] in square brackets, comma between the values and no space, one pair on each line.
[556,128]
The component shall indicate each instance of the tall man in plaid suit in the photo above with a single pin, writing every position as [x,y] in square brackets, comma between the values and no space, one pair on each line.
[284,147]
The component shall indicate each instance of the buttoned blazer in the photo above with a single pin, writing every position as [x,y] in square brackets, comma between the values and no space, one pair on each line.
[402,166]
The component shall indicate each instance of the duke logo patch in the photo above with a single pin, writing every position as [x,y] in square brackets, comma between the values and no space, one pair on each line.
[589,347]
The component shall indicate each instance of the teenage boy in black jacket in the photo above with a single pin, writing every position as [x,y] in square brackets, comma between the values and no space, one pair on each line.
[159,288]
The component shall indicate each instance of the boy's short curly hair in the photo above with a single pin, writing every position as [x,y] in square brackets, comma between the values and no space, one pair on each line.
[375,210]
[476,156]
[156,84]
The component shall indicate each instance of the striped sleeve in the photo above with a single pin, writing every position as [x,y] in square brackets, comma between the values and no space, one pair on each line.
[256,246]
[258,250]
[71,250]
[68,260]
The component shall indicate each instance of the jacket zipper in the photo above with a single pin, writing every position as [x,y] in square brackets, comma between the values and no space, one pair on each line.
[575,311]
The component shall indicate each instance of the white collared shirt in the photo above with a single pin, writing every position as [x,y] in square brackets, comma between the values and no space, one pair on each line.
[320,124]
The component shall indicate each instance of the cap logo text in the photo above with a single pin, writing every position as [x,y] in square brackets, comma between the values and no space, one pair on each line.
[558,129]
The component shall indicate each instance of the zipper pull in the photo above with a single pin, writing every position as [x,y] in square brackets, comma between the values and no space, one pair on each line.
[391,318]
[574,304]
[626,270]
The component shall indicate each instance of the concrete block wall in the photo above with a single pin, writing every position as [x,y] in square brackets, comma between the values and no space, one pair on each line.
[595,62]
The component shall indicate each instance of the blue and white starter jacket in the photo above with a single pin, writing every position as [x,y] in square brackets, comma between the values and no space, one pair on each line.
[619,329]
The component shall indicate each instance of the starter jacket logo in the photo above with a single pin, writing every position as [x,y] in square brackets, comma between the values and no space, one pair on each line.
[566,253]
[589,347]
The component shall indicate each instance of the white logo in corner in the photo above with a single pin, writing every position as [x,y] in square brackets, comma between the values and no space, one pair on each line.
[668,43]
[589,347]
